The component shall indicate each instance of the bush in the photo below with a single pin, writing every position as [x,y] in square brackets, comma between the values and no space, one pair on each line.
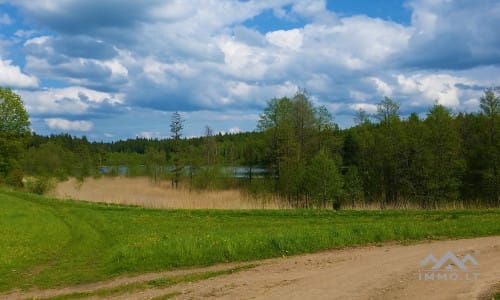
[39,185]
[15,178]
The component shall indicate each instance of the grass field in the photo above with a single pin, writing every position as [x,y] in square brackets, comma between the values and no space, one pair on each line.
[50,243]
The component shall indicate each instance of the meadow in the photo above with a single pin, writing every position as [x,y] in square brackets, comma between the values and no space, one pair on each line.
[48,243]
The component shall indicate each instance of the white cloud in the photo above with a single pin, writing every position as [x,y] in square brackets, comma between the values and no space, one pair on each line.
[240,89]
[382,87]
[369,108]
[354,43]
[407,85]
[453,34]
[310,8]
[70,100]
[245,61]
[118,70]
[24,33]
[214,116]
[162,73]
[66,125]
[12,76]
[39,40]
[199,56]
[471,105]
[288,39]
[425,89]
[359,96]
[150,135]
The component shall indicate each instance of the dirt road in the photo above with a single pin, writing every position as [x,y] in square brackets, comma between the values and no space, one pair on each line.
[371,272]
[386,272]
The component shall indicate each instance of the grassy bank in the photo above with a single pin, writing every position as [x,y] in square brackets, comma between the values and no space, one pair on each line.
[49,243]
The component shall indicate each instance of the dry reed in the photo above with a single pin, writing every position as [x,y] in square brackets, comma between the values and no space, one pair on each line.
[144,192]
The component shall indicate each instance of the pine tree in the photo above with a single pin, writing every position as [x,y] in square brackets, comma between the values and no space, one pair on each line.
[176,127]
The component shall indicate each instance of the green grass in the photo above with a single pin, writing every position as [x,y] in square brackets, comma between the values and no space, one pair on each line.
[49,243]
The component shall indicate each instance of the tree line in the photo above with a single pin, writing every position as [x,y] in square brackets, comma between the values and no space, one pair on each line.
[384,160]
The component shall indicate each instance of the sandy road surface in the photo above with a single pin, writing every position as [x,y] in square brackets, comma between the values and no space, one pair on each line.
[386,272]
[371,272]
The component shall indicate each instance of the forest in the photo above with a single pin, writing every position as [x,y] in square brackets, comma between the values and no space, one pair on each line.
[296,152]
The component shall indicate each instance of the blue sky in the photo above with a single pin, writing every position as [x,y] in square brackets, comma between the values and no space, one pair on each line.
[117,69]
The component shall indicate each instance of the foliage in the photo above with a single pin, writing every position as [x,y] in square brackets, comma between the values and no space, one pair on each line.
[176,127]
[155,162]
[431,161]
[295,131]
[38,185]
[14,130]
[324,182]
[353,187]
[14,120]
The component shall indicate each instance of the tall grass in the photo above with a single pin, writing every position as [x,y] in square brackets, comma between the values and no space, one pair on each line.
[145,192]
[49,243]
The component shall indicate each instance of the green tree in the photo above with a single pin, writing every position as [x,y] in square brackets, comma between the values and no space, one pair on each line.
[387,111]
[418,161]
[155,161]
[210,146]
[14,131]
[176,127]
[14,120]
[50,160]
[490,102]
[362,117]
[295,131]
[353,186]
[194,159]
[359,151]
[490,106]
[390,152]
[305,122]
[445,163]
[277,127]
[324,181]
[252,155]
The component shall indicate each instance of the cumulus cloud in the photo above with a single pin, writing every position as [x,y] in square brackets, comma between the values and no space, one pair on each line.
[67,125]
[369,108]
[382,87]
[80,61]
[70,101]
[202,56]
[454,34]
[12,76]
[288,39]
[433,87]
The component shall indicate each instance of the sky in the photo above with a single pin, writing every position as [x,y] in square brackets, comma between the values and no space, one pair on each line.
[118,69]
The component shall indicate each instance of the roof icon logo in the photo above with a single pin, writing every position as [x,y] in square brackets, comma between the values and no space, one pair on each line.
[449,261]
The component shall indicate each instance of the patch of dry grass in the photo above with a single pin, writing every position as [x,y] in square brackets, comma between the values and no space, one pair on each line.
[144,192]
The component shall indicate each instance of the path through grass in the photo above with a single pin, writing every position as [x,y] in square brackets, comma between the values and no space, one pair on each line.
[49,243]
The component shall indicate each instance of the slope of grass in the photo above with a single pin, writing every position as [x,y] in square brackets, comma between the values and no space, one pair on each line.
[49,243]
